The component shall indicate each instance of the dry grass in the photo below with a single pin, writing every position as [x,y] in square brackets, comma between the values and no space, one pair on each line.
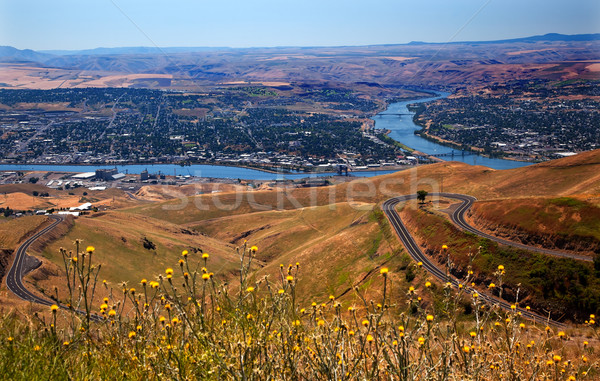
[595,67]
[551,216]
[338,244]
[119,237]
[169,192]
[14,231]
[187,324]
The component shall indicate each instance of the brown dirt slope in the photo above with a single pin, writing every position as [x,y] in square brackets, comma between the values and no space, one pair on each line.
[168,192]
[563,177]
[14,231]
[119,241]
[563,223]
[337,246]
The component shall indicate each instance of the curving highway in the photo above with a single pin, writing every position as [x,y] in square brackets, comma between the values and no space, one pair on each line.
[14,278]
[458,217]
[389,208]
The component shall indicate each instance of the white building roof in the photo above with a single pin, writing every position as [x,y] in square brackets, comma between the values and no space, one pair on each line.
[76,214]
[565,154]
[84,175]
[85,206]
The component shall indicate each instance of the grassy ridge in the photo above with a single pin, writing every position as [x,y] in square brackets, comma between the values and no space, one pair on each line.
[120,239]
[13,231]
[338,244]
[569,288]
[565,219]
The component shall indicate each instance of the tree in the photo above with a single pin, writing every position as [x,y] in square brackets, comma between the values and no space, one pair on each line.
[421,194]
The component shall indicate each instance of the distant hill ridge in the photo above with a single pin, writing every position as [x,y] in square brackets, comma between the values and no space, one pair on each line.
[539,38]
[43,55]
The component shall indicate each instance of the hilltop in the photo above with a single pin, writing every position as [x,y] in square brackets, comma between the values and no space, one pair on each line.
[431,65]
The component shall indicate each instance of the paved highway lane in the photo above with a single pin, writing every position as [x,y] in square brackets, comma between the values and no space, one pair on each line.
[458,217]
[389,208]
[14,278]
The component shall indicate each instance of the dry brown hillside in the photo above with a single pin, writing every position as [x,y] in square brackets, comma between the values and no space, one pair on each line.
[563,177]
[335,232]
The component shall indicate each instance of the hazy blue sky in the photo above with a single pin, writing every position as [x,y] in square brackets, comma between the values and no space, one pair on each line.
[81,24]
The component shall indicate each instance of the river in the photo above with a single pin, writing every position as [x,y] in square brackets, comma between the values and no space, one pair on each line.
[399,120]
[198,170]
[396,118]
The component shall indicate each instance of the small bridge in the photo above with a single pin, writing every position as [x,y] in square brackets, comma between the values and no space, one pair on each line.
[453,153]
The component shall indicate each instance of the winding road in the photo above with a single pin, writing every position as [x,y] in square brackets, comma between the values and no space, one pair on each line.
[14,278]
[457,216]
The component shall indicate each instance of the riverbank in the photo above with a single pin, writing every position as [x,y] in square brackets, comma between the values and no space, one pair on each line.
[266,169]
[200,171]
[425,133]
[400,120]
[480,151]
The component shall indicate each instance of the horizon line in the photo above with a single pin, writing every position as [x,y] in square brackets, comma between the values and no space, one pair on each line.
[516,39]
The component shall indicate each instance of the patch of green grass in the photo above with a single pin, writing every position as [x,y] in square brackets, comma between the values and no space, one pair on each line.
[568,202]
[375,245]
[557,284]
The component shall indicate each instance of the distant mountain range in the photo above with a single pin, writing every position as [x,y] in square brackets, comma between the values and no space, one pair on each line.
[132,50]
[417,63]
[8,53]
[550,37]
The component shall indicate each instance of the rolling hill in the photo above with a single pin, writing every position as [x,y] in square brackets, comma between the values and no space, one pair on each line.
[337,233]
[432,65]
